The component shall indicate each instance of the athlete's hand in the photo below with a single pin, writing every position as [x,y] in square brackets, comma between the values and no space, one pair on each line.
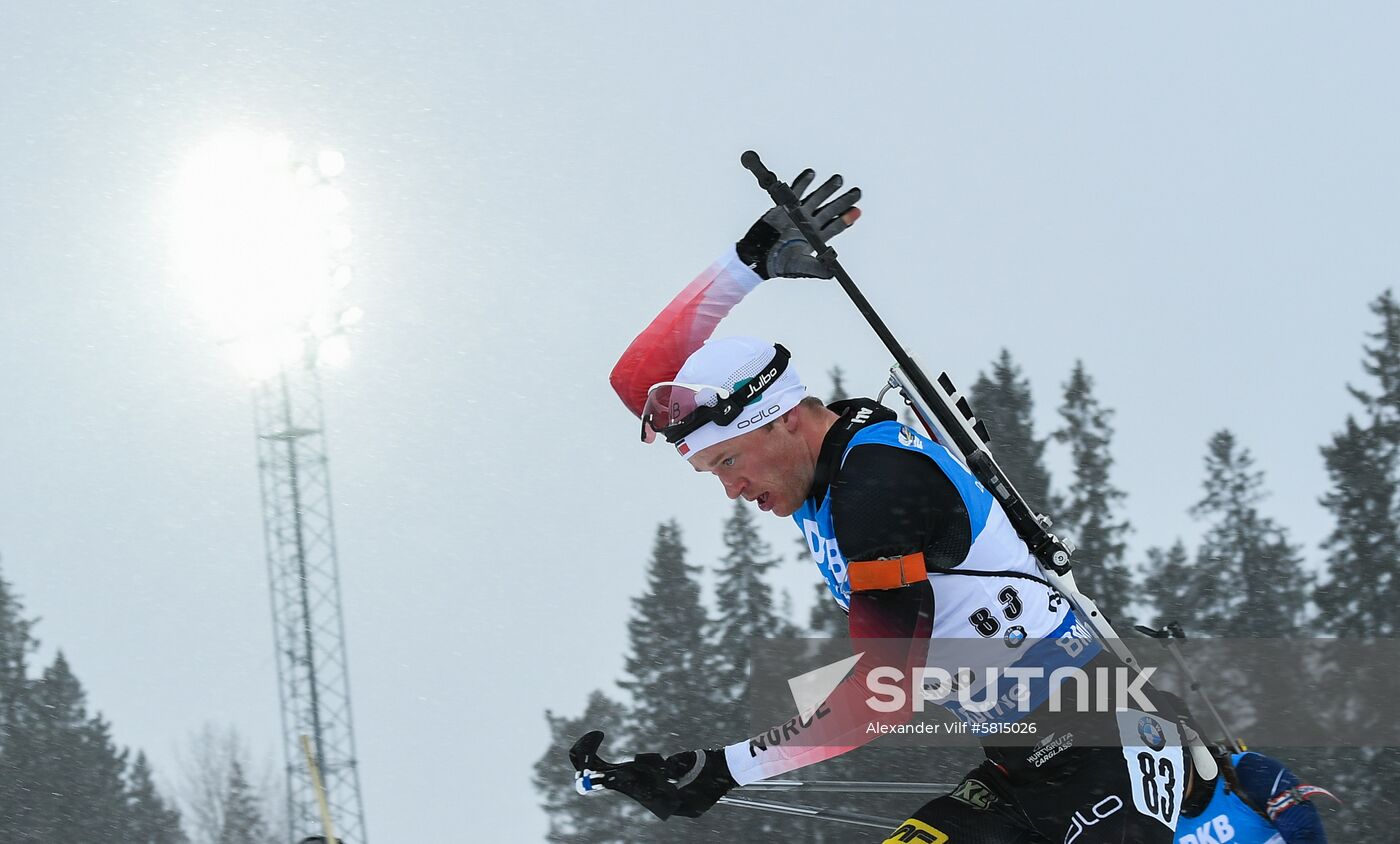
[701,777]
[774,246]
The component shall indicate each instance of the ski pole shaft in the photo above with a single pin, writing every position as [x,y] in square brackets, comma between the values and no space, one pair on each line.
[1167,636]
[831,815]
[326,826]
[852,786]
[1196,687]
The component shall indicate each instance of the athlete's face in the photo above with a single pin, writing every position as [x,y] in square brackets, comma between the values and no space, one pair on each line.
[771,466]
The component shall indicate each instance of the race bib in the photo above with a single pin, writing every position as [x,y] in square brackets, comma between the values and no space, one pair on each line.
[1152,751]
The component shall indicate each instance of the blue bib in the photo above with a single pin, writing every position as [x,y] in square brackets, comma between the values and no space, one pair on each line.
[815,520]
[1226,820]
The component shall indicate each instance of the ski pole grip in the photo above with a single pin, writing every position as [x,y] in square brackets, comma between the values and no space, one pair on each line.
[754,165]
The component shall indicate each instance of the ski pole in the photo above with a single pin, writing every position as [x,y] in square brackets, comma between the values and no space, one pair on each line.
[586,784]
[326,826]
[852,786]
[953,416]
[642,780]
[832,815]
[1167,636]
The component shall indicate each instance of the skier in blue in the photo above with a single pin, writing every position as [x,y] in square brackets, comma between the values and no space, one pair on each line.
[1255,800]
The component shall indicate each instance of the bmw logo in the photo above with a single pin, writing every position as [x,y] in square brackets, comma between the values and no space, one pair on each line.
[1015,636]
[1151,733]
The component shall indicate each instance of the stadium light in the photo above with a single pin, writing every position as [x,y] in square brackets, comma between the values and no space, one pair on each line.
[260,247]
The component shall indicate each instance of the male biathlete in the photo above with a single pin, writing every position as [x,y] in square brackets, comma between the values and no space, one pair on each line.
[911,546]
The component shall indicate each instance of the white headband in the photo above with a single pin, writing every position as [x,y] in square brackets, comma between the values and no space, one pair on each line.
[725,363]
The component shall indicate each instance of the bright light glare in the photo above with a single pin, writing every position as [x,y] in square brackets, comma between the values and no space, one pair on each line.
[331,163]
[258,246]
[334,351]
[264,356]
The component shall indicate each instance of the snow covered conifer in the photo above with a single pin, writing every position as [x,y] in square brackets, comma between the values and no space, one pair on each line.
[1362,597]
[16,644]
[1003,402]
[1266,587]
[745,611]
[668,659]
[1089,512]
[150,819]
[243,821]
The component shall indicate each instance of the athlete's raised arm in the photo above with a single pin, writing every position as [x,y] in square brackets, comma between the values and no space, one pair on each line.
[772,247]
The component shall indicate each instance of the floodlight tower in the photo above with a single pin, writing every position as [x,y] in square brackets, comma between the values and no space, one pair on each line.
[262,244]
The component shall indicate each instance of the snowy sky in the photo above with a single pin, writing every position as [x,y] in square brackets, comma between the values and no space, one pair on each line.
[1198,200]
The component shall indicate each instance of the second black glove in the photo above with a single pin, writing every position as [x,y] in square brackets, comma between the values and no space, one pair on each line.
[702,778]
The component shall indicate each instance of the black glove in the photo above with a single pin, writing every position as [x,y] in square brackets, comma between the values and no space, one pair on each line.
[685,784]
[774,246]
[702,778]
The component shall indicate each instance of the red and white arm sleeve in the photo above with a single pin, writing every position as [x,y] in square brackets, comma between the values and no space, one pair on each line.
[890,629]
[682,327]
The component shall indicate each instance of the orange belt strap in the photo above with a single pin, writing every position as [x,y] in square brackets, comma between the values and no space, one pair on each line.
[889,573]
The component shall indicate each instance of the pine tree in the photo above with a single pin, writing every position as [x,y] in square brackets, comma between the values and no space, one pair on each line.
[668,662]
[62,778]
[746,612]
[1383,364]
[1265,588]
[676,704]
[1246,581]
[71,773]
[150,819]
[101,780]
[1089,512]
[16,644]
[1361,597]
[243,821]
[1003,402]
[745,615]
[596,819]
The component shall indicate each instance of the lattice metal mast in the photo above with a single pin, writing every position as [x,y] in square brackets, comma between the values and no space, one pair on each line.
[308,622]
